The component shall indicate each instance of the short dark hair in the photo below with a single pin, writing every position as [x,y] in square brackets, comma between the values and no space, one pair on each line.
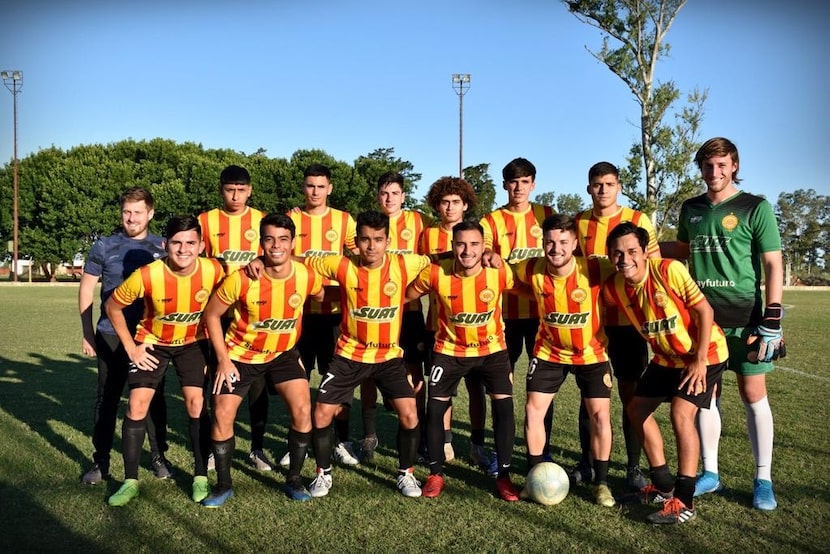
[519,167]
[137,194]
[601,169]
[179,223]
[627,228]
[373,220]
[281,221]
[317,170]
[234,174]
[467,225]
[560,222]
[388,178]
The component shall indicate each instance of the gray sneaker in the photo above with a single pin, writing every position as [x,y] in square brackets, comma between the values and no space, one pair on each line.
[321,484]
[344,454]
[635,479]
[408,485]
[96,474]
[161,467]
[259,460]
[368,446]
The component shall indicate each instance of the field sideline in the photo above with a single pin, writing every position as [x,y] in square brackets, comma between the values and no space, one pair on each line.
[47,390]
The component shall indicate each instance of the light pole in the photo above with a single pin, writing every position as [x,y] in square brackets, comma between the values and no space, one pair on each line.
[13,79]
[461,84]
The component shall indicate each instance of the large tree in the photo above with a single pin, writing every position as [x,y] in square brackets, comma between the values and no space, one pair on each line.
[634,33]
[485,188]
[804,223]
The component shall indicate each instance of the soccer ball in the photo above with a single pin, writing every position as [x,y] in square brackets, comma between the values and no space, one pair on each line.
[548,484]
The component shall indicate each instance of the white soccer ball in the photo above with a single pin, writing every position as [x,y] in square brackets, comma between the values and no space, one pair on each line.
[548,483]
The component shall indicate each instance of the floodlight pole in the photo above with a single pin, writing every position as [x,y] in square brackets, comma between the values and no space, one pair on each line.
[13,79]
[461,84]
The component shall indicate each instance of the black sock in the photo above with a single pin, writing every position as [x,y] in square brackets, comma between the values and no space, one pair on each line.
[408,446]
[548,428]
[504,431]
[584,434]
[321,441]
[477,437]
[684,489]
[370,415]
[534,460]
[258,411]
[662,478]
[633,448]
[601,472]
[132,439]
[223,457]
[297,448]
[435,434]
[199,442]
[341,424]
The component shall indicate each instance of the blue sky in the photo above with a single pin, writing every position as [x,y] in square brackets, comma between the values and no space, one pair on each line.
[349,77]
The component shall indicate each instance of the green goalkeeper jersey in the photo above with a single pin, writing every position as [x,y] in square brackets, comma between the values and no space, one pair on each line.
[725,246]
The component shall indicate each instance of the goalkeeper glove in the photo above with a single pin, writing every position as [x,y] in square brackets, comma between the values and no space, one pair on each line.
[768,336]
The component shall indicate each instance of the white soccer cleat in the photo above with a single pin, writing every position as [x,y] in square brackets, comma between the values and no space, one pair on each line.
[344,454]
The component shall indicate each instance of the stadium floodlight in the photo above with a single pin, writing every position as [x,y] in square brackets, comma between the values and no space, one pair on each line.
[461,84]
[13,79]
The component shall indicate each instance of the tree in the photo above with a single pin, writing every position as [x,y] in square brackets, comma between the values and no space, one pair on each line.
[381,160]
[479,178]
[545,198]
[663,153]
[804,224]
[569,204]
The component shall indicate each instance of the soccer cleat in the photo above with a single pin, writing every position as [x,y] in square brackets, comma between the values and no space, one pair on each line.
[368,446]
[96,474]
[433,486]
[603,496]
[344,454]
[673,512]
[635,479]
[201,489]
[524,494]
[123,495]
[507,490]
[762,496]
[211,462]
[449,452]
[483,460]
[321,484]
[285,461]
[161,467]
[652,495]
[218,497]
[408,485]
[546,457]
[295,490]
[707,482]
[581,473]
[260,461]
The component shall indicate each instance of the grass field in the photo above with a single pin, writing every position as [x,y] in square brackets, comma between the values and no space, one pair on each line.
[47,389]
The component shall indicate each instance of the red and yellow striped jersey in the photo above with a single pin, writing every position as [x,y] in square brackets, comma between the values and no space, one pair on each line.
[172,304]
[330,234]
[659,309]
[592,233]
[516,236]
[231,239]
[372,299]
[405,231]
[435,240]
[268,312]
[469,308]
[570,312]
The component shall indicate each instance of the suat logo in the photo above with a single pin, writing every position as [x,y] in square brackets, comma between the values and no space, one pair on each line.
[660,326]
[519,254]
[368,313]
[309,253]
[181,318]
[564,319]
[275,325]
[466,319]
[237,257]
[708,243]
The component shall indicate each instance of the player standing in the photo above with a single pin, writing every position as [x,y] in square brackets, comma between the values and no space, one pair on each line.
[260,343]
[232,236]
[627,350]
[175,290]
[112,259]
[731,240]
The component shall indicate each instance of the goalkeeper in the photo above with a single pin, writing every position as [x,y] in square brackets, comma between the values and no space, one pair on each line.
[732,242]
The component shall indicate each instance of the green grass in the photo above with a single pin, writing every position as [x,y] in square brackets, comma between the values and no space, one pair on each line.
[47,390]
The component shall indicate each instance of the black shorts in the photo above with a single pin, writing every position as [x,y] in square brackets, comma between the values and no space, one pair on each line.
[285,367]
[337,386]
[520,334]
[495,371]
[628,352]
[593,380]
[662,382]
[413,337]
[317,340]
[190,361]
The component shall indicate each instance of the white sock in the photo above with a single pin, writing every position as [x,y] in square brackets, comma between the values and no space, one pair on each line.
[709,427]
[760,429]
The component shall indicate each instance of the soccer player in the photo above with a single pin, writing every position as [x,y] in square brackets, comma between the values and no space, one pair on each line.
[667,308]
[112,259]
[372,286]
[175,290]
[731,240]
[514,231]
[469,339]
[450,198]
[261,343]
[232,236]
[405,230]
[627,350]
[571,340]
[323,231]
